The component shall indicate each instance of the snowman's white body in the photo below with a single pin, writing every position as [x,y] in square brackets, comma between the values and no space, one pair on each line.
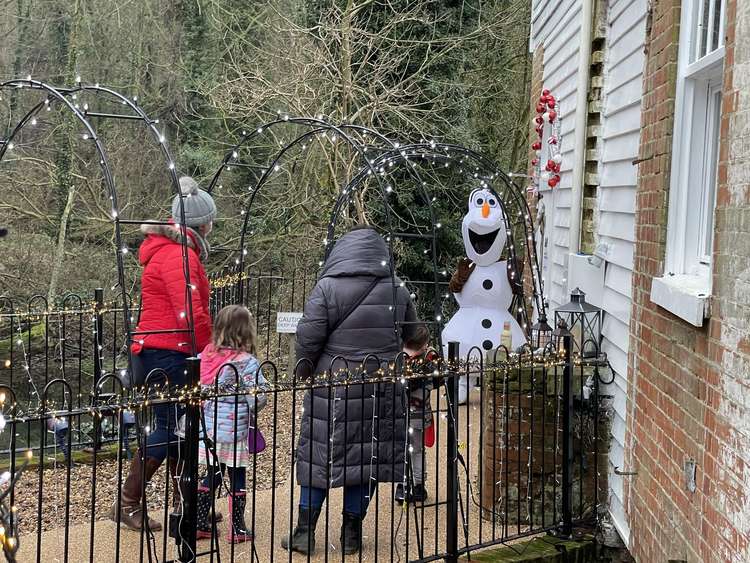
[484,304]
[486,297]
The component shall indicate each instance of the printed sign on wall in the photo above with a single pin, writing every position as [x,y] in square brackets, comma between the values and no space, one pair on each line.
[286,323]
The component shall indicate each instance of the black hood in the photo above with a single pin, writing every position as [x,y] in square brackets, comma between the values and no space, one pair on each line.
[361,252]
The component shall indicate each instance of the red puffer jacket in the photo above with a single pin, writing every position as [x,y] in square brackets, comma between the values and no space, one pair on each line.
[164,292]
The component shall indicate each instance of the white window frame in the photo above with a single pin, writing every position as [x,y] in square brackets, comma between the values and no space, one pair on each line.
[686,285]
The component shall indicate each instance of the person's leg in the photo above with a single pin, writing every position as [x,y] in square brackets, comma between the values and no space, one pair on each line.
[207,492]
[61,439]
[312,497]
[238,531]
[356,500]
[126,429]
[417,492]
[217,471]
[128,509]
[417,457]
[303,538]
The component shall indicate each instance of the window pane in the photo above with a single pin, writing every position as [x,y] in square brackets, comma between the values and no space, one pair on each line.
[703,28]
[716,39]
[713,119]
[707,28]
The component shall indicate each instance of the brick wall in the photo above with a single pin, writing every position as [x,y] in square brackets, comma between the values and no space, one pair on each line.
[689,393]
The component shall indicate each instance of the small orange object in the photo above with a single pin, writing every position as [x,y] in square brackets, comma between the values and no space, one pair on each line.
[485,210]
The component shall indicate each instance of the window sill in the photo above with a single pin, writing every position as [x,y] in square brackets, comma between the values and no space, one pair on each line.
[683,295]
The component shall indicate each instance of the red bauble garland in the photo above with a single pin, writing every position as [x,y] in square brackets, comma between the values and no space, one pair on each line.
[547,112]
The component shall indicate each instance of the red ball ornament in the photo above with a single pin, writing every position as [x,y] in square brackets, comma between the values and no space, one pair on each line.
[537,146]
[550,165]
[539,119]
[540,108]
[552,140]
[551,101]
[552,115]
[539,131]
[545,92]
[534,161]
[552,182]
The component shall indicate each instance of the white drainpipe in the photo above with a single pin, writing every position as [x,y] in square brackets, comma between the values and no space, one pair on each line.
[579,150]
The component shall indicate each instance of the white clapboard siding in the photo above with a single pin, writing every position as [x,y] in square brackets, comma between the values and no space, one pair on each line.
[623,87]
[556,25]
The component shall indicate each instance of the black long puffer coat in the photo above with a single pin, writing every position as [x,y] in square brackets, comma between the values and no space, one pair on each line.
[338,423]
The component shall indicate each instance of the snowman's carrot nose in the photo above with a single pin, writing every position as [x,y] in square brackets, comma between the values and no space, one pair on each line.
[486,210]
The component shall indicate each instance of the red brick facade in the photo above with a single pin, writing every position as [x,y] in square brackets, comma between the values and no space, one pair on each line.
[689,388]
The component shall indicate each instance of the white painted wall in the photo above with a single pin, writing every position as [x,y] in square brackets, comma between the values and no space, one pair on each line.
[621,118]
[623,87]
[556,26]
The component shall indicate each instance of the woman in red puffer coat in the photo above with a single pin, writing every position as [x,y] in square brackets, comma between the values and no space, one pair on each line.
[165,310]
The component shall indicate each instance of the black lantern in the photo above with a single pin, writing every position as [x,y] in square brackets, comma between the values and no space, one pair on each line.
[584,321]
[541,333]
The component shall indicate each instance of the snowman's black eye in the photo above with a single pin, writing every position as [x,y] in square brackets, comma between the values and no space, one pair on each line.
[480,201]
[492,202]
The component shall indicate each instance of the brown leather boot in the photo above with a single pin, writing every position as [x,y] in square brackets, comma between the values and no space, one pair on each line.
[131,508]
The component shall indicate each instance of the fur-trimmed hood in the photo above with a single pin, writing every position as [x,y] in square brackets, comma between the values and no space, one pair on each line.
[160,235]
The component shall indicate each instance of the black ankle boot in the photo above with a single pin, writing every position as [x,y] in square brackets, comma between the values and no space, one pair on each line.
[303,537]
[351,534]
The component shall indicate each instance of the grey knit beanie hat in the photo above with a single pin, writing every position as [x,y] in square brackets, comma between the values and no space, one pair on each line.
[199,206]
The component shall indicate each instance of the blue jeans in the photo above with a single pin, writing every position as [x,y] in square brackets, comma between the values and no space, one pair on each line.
[62,441]
[236,478]
[356,498]
[161,440]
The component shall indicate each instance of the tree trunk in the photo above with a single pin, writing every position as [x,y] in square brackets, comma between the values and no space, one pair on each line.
[60,250]
[65,190]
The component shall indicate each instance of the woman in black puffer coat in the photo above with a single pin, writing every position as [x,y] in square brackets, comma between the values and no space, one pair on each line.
[348,317]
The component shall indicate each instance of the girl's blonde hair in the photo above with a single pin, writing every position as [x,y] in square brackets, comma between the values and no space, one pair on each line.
[234,328]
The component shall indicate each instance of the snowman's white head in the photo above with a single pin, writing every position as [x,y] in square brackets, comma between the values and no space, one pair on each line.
[483,228]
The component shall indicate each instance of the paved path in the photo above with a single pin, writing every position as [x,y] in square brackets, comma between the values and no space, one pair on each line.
[385,527]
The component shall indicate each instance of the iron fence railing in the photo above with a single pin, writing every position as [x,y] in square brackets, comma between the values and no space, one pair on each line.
[520,458]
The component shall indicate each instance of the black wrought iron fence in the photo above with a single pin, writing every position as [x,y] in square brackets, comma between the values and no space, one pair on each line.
[77,340]
[521,457]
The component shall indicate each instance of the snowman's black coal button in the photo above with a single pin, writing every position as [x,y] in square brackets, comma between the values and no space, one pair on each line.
[487,284]
[487,344]
[486,323]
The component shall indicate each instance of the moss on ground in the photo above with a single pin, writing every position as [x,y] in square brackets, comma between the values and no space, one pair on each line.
[543,549]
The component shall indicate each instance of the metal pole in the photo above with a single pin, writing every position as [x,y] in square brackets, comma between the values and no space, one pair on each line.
[189,481]
[451,383]
[567,445]
[98,340]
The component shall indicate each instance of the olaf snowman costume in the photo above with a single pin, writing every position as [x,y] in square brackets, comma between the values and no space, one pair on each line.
[486,296]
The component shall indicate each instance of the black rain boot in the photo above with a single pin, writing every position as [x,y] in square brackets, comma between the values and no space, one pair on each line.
[303,537]
[203,525]
[238,531]
[351,534]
